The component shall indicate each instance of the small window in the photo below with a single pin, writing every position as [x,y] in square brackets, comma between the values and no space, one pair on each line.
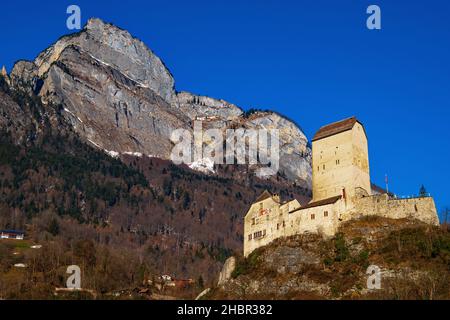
[313,216]
[337,161]
[261,206]
[250,237]
[278,226]
[415,207]
[264,232]
[284,224]
[253,221]
[323,167]
[325,213]
[318,168]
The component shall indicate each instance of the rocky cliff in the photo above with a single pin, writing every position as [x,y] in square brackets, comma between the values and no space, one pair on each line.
[412,258]
[118,95]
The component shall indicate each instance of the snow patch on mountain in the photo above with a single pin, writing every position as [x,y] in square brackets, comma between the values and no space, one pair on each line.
[205,165]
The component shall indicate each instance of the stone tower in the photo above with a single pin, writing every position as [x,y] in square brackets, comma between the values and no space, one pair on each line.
[340,161]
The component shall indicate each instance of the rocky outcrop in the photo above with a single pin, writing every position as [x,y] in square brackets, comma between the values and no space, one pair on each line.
[4,74]
[109,109]
[308,267]
[206,108]
[227,270]
[295,152]
[116,48]
[24,77]
[119,96]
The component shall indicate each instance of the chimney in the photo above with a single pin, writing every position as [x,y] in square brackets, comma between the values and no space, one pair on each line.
[276,197]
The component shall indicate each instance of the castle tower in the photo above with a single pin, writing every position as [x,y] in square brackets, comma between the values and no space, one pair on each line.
[340,161]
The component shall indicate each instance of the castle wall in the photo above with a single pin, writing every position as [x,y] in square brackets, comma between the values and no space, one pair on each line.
[273,220]
[422,208]
[340,162]
[260,218]
[361,172]
[322,220]
[268,220]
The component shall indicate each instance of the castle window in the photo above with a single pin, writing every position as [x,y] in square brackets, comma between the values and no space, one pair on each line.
[261,206]
[264,232]
[313,216]
[337,161]
[257,234]
[415,207]
[318,168]
[250,237]
[253,221]
[284,224]
[323,167]
[325,213]
[278,226]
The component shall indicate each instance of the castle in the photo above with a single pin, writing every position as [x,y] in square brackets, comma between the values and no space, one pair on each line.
[341,191]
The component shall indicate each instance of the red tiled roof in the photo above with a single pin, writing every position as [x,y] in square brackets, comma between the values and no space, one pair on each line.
[335,128]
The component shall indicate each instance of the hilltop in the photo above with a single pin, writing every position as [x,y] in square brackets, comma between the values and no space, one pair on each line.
[414,259]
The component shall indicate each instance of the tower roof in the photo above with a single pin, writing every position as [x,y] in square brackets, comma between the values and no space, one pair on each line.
[335,128]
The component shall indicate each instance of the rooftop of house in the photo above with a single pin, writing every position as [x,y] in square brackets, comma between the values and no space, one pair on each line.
[266,194]
[12,231]
[319,203]
[335,128]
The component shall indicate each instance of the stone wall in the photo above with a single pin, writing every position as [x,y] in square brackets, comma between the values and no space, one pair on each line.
[420,208]
[340,161]
[268,220]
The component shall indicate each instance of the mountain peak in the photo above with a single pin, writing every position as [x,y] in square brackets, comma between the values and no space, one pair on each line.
[118,95]
[4,73]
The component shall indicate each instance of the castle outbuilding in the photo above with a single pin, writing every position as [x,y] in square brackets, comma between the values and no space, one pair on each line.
[341,191]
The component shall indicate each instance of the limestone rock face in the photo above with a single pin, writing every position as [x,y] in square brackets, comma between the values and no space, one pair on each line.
[118,95]
[116,48]
[295,153]
[112,111]
[290,260]
[4,74]
[227,270]
[206,108]
[24,76]
[113,90]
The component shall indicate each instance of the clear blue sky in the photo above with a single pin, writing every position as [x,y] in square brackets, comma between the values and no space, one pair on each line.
[314,61]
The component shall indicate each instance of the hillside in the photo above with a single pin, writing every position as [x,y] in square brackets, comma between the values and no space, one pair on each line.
[122,219]
[414,259]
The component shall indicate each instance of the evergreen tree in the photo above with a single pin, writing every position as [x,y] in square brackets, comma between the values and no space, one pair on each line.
[53,227]
[423,192]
